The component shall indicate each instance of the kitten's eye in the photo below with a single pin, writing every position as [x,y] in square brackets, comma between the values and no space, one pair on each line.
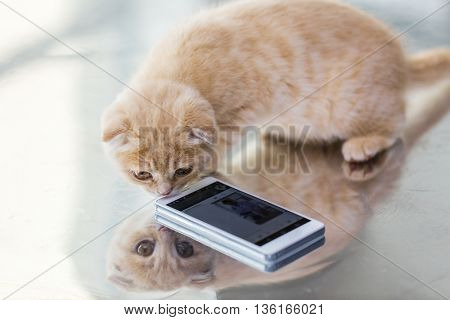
[142,175]
[184,249]
[183,171]
[145,248]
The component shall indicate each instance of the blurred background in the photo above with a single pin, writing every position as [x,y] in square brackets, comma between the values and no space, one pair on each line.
[59,190]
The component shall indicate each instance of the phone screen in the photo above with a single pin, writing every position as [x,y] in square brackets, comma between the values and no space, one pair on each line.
[238,213]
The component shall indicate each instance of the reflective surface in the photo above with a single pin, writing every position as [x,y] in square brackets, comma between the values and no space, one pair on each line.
[61,197]
[382,239]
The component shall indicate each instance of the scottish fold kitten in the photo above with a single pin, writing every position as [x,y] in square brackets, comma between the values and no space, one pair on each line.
[300,63]
[145,256]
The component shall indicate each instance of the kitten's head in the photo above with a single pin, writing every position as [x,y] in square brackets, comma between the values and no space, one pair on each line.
[153,257]
[161,150]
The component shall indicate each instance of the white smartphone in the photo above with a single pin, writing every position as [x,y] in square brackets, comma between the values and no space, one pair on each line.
[240,221]
[266,266]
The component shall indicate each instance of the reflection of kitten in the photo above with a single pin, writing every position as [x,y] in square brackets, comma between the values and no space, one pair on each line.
[327,193]
[246,62]
[144,255]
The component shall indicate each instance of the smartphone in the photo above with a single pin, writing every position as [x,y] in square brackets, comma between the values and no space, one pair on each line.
[244,223]
[266,266]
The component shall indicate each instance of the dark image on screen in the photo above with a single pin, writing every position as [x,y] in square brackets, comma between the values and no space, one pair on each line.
[248,208]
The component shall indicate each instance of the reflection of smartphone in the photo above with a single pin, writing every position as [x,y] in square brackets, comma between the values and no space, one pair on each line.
[241,222]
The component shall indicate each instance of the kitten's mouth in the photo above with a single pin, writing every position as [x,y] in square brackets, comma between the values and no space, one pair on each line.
[161,228]
[173,192]
[164,229]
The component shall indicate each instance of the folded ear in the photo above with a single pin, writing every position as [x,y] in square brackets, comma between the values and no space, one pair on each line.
[114,123]
[202,277]
[121,281]
[201,135]
[117,131]
[118,278]
[200,121]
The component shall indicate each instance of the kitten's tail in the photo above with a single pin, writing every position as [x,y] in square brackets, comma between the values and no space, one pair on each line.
[428,67]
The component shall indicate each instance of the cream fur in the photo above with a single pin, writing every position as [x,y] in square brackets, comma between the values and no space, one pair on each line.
[340,191]
[243,64]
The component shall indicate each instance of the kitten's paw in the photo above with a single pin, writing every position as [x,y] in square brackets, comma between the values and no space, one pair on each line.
[364,148]
[366,170]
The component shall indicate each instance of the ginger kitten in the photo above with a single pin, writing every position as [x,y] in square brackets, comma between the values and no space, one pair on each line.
[243,64]
[145,256]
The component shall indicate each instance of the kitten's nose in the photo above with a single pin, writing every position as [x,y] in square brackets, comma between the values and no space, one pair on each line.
[164,229]
[164,189]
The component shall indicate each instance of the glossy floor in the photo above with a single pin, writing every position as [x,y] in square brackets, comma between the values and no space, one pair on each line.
[61,197]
